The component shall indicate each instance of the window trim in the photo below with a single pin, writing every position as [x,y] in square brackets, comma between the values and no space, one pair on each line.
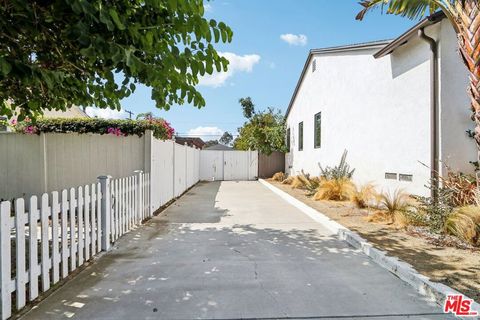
[300,136]
[317,143]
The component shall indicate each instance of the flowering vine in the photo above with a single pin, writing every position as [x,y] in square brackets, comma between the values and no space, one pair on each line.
[161,129]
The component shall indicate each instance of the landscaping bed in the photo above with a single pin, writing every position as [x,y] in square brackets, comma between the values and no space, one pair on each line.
[441,258]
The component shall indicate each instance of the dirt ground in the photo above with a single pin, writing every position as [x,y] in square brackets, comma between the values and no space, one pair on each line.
[455,267]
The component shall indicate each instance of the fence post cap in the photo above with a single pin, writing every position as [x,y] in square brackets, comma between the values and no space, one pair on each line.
[138,171]
[104,177]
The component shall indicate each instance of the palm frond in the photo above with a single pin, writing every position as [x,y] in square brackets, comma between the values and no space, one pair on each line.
[411,9]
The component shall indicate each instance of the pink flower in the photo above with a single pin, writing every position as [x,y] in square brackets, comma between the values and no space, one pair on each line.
[30,130]
[13,122]
[115,131]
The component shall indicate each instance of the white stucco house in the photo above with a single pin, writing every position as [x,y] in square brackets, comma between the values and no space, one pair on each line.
[399,107]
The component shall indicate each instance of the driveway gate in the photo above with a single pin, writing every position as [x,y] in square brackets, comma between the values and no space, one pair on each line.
[228,165]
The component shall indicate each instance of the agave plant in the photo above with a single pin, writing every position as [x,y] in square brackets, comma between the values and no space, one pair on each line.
[342,171]
[464,17]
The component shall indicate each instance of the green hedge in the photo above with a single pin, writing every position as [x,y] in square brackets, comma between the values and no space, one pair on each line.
[161,128]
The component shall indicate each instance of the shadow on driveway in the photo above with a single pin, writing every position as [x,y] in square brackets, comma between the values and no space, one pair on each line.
[234,251]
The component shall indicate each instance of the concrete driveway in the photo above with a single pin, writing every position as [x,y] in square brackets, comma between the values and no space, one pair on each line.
[234,250]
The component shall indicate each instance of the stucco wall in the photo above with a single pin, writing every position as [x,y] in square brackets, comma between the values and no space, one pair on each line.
[379,110]
[456,148]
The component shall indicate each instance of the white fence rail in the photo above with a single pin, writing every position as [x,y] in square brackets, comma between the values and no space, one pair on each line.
[43,240]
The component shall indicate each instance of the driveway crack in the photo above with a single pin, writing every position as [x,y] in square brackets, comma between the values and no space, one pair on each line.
[255,270]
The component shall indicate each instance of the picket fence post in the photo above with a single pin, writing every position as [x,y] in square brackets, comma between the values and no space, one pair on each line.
[139,196]
[5,261]
[105,211]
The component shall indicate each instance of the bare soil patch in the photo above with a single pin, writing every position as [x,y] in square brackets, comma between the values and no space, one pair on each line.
[441,260]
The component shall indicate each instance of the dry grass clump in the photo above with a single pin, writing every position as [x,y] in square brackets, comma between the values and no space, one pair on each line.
[298,183]
[279,177]
[393,208]
[464,223]
[288,180]
[365,196]
[304,182]
[335,189]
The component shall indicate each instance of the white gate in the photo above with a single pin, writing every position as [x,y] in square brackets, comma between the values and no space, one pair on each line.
[228,165]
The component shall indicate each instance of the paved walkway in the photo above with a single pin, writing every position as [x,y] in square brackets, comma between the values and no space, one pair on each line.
[233,250]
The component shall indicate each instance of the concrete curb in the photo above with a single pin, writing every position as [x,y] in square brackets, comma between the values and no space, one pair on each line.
[399,268]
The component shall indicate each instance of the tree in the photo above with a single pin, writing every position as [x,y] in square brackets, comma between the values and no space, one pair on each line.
[226,138]
[264,131]
[463,16]
[247,106]
[145,115]
[54,54]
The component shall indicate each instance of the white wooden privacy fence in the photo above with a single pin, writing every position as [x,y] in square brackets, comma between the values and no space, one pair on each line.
[43,240]
[228,165]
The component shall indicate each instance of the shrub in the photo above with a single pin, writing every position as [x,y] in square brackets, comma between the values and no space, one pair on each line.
[161,129]
[342,171]
[364,196]
[459,188]
[414,217]
[436,213]
[335,189]
[464,223]
[454,190]
[279,176]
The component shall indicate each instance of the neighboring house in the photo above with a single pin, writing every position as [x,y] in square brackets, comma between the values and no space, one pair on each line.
[375,100]
[190,141]
[219,146]
[72,112]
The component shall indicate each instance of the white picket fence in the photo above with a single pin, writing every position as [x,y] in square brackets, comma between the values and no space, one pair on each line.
[43,240]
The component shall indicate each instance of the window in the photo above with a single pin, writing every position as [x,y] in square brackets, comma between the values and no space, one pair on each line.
[318,130]
[288,140]
[314,65]
[300,136]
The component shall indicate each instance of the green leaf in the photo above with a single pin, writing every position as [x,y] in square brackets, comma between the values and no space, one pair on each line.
[216,34]
[172,4]
[5,67]
[116,19]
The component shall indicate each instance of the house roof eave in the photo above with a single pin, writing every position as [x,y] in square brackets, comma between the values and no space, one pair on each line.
[410,33]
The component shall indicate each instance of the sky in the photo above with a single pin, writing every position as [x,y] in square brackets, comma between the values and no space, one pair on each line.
[270,44]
